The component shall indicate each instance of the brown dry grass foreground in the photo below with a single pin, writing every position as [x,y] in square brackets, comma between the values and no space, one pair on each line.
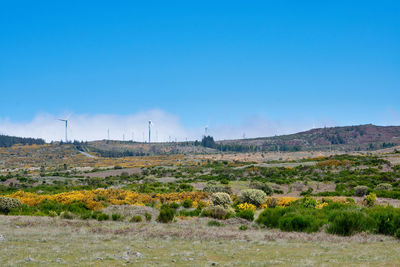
[44,241]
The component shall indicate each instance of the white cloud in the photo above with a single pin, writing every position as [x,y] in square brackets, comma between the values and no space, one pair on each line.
[166,127]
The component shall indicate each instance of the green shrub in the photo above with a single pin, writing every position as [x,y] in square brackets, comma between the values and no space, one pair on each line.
[213,188]
[214,223]
[52,213]
[147,216]
[387,219]
[308,202]
[221,199]
[361,190]
[224,181]
[270,217]
[347,223]
[67,215]
[384,187]
[370,199]
[397,234]
[7,204]
[299,223]
[271,202]
[116,217]
[174,205]
[218,212]
[261,186]
[166,215]
[253,196]
[246,214]
[136,219]
[243,227]
[103,217]
[188,203]
[190,213]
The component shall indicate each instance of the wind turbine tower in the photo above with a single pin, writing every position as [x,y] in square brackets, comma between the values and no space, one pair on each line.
[150,131]
[66,129]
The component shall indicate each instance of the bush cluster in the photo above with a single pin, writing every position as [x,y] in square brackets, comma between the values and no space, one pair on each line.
[7,204]
[221,199]
[253,196]
[261,186]
[360,190]
[339,218]
[166,215]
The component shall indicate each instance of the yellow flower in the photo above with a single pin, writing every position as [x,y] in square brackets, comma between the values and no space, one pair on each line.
[246,206]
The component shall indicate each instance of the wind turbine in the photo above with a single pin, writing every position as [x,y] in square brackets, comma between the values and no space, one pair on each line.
[66,129]
[150,124]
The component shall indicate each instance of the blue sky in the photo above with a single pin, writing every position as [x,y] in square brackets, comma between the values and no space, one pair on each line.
[234,65]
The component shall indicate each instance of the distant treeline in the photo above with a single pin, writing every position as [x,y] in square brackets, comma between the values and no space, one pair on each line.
[7,141]
[208,141]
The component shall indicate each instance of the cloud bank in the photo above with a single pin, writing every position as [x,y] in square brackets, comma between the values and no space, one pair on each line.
[166,127]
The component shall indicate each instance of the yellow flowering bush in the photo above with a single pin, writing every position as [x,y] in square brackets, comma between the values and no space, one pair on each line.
[321,205]
[246,206]
[95,199]
[285,201]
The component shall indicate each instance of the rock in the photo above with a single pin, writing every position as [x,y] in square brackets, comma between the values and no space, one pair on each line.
[59,260]
[99,258]
[138,254]
[2,238]
[214,263]
[173,260]
[29,259]
[125,256]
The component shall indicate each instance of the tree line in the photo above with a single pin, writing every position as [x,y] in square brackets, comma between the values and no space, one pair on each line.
[8,141]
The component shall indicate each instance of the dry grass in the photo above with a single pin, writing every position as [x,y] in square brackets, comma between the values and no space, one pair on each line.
[51,241]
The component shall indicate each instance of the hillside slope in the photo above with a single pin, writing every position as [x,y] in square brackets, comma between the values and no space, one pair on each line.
[361,137]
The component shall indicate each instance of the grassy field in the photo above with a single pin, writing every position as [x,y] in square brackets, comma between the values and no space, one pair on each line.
[43,241]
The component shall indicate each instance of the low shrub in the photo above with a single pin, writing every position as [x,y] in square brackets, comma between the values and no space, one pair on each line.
[253,196]
[147,216]
[7,204]
[174,205]
[271,202]
[166,215]
[136,219]
[299,223]
[346,223]
[270,217]
[387,219]
[307,202]
[187,203]
[384,187]
[67,215]
[52,213]
[243,227]
[103,217]
[221,199]
[370,199]
[190,213]
[397,234]
[261,186]
[116,217]
[246,214]
[214,223]
[217,212]
[360,190]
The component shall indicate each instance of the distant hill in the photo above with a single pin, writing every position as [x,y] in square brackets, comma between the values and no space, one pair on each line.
[7,141]
[349,138]
[354,138]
